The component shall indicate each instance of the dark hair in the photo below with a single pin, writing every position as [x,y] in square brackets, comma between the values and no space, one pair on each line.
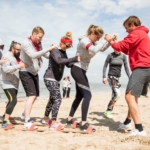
[13,43]
[1,46]
[132,20]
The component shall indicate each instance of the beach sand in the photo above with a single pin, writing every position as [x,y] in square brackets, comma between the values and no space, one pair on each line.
[105,138]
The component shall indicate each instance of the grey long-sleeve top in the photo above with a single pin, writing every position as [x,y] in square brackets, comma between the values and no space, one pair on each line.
[86,49]
[9,75]
[30,56]
[115,62]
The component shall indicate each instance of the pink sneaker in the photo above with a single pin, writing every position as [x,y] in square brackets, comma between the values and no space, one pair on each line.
[56,127]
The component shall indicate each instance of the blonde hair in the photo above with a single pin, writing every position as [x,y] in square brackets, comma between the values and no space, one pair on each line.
[38,30]
[97,30]
[68,36]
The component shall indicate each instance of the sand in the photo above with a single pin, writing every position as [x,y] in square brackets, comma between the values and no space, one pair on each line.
[105,138]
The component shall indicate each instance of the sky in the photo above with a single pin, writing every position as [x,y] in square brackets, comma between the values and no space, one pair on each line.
[18,18]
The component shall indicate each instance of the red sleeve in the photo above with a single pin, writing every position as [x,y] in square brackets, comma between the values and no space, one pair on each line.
[128,42]
[88,45]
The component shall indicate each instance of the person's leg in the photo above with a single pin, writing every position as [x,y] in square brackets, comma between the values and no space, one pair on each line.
[51,87]
[64,92]
[115,85]
[31,86]
[132,102]
[48,107]
[12,96]
[3,117]
[54,89]
[28,106]
[115,97]
[68,92]
[133,91]
[85,105]
[56,104]
[83,90]
[75,103]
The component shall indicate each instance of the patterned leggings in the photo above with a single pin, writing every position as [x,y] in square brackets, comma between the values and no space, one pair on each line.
[115,84]
[54,99]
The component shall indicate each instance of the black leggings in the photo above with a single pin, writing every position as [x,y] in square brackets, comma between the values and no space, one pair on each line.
[12,100]
[82,92]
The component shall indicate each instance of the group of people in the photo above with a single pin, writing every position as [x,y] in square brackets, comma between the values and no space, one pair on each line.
[66,87]
[24,61]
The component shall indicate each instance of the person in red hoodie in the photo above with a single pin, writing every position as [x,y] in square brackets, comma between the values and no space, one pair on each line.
[137,46]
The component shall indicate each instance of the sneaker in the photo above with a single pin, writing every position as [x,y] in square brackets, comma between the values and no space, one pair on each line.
[127,127]
[56,127]
[29,125]
[7,123]
[137,132]
[46,121]
[87,128]
[11,119]
[108,114]
[69,123]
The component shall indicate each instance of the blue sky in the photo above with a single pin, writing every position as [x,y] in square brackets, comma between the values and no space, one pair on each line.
[18,18]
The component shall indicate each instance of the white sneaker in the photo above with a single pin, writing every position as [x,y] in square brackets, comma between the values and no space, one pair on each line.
[30,126]
[137,132]
[127,127]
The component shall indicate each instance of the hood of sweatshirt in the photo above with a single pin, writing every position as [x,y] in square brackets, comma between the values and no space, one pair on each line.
[142,28]
[80,38]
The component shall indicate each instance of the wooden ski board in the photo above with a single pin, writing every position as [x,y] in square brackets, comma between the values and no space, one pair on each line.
[65,130]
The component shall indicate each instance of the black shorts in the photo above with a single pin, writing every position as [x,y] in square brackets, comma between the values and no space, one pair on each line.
[30,83]
[138,81]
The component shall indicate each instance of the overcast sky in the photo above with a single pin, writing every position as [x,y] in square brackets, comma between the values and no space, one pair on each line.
[18,18]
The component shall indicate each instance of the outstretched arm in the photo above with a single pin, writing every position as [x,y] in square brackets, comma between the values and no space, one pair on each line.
[26,47]
[59,60]
[93,49]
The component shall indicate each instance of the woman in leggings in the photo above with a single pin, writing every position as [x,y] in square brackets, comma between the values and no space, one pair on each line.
[87,47]
[57,61]
[115,61]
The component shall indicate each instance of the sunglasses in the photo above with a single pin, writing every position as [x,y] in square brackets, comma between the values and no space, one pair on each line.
[67,46]
[17,49]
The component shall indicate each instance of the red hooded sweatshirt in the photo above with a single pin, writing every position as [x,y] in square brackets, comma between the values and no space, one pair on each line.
[137,46]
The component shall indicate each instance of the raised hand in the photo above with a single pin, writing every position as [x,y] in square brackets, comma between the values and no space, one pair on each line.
[107,37]
[104,80]
[53,47]
[115,37]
